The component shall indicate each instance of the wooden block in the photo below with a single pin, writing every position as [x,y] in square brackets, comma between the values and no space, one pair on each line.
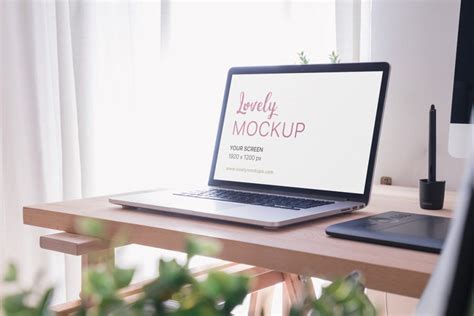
[386,180]
[72,244]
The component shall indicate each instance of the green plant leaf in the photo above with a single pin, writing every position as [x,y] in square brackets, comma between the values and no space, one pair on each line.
[99,283]
[122,277]
[344,297]
[172,278]
[322,308]
[231,289]
[341,290]
[334,58]
[302,58]
[15,303]
[295,311]
[43,306]
[113,305]
[90,227]
[204,247]
[11,274]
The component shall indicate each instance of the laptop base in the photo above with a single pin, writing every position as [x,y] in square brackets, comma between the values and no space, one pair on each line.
[263,216]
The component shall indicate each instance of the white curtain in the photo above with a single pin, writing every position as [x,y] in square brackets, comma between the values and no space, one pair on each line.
[103,97]
[71,81]
[353,29]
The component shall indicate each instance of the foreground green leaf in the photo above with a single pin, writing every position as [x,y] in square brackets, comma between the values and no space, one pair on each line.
[122,277]
[203,247]
[15,303]
[177,292]
[99,283]
[43,306]
[90,227]
[11,274]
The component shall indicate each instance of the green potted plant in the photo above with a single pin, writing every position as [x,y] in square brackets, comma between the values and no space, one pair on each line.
[177,292]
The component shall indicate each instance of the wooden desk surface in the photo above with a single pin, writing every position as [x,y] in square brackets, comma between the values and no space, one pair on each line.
[301,249]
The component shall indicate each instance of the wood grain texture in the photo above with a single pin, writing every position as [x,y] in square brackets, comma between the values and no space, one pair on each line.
[72,244]
[302,249]
[297,287]
[261,302]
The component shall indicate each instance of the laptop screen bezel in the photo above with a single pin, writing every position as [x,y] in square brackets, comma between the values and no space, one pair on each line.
[320,68]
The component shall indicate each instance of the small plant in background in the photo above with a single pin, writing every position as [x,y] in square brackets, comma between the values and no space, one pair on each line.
[303,59]
[334,58]
[177,292]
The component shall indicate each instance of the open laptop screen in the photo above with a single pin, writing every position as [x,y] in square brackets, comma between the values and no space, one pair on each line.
[311,130]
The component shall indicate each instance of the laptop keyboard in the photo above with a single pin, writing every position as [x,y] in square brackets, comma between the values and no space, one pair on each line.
[255,199]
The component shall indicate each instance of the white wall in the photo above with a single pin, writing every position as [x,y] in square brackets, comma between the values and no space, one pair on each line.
[418,38]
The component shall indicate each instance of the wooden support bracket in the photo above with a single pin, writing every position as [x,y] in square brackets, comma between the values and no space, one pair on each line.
[73,244]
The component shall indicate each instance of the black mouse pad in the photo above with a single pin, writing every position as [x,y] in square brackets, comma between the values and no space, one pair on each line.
[406,230]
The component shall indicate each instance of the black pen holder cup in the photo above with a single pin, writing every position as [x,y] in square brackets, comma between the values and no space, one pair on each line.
[431,194]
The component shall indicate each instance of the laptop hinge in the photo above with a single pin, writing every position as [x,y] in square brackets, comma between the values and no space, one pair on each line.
[312,196]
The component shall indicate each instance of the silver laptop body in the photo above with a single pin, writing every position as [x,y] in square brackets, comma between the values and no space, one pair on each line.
[294,143]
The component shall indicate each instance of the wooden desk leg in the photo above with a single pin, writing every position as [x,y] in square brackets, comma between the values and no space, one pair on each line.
[261,301]
[285,300]
[92,259]
[92,250]
[296,288]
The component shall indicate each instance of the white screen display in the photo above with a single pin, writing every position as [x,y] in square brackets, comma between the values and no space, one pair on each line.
[301,130]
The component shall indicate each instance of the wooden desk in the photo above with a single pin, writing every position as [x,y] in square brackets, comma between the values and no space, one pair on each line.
[302,249]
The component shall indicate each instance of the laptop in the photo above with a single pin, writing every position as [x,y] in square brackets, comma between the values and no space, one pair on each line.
[294,143]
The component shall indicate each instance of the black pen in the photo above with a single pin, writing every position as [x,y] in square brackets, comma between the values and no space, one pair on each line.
[432,146]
